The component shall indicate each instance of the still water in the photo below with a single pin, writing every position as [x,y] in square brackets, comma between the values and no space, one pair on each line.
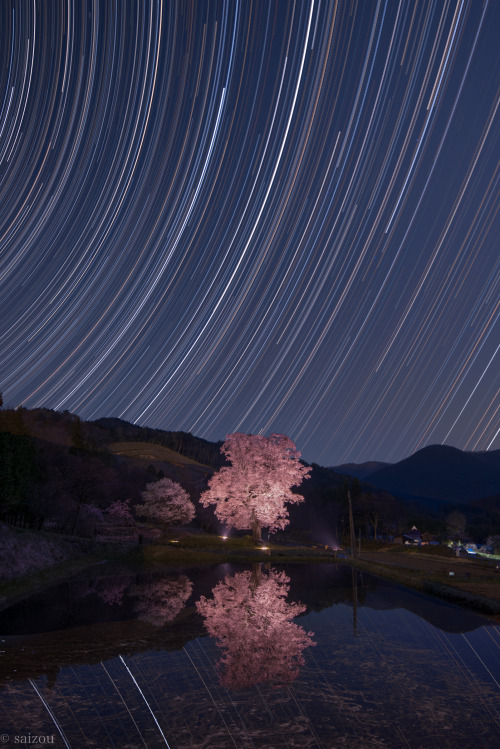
[246,657]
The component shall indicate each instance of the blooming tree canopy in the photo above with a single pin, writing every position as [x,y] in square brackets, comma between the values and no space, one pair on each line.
[165,501]
[120,511]
[251,620]
[252,491]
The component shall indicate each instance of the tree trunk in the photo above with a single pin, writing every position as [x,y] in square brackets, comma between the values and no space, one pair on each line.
[256,576]
[256,530]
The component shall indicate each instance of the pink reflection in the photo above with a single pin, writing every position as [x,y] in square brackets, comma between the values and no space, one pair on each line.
[160,601]
[251,620]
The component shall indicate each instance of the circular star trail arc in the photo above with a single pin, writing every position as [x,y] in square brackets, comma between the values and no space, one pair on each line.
[267,216]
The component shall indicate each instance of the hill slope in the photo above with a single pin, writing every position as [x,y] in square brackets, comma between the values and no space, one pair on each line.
[186,471]
[185,443]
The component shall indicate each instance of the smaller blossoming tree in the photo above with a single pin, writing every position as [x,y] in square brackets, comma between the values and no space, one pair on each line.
[166,502]
[120,512]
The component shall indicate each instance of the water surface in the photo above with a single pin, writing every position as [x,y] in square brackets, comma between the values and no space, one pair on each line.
[247,657]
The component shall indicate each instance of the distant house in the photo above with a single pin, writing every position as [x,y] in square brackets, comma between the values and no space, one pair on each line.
[427,538]
[413,537]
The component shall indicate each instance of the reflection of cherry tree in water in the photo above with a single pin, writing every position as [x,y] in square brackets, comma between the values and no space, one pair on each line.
[250,618]
[112,590]
[160,601]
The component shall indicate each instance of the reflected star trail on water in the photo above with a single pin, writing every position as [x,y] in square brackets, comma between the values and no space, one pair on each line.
[254,216]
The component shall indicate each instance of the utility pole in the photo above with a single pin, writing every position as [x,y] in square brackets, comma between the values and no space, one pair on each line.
[351,526]
[354,573]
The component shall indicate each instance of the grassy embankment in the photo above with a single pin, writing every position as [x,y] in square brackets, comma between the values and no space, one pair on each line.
[209,548]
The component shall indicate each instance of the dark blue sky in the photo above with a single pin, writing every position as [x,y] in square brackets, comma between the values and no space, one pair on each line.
[254,216]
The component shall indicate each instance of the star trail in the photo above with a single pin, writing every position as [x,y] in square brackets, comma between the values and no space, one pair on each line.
[255,215]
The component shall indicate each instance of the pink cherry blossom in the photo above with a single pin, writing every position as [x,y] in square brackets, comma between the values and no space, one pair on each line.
[166,502]
[120,510]
[253,490]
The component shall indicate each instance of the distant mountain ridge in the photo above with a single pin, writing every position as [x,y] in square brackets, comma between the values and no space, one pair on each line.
[360,470]
[442,472]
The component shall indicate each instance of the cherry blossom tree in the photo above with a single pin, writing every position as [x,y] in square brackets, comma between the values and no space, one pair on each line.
[166,502]
[252,491]
[251,620]
[160,601]
[119,511]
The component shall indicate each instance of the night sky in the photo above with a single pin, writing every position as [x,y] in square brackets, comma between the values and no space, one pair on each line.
[254,216]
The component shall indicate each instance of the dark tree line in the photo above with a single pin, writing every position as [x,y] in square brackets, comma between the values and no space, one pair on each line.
[17,472]
[42,480]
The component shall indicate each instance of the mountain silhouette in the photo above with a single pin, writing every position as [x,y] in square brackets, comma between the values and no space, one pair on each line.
[442,472]
[360,470]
